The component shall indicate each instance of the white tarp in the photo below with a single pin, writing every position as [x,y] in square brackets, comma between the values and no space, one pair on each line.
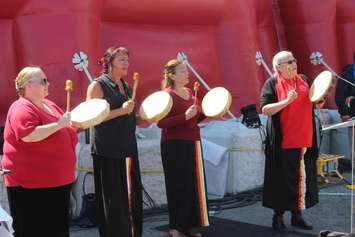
[234,158]
[6,229]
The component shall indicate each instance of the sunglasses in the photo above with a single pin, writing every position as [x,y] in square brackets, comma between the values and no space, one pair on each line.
[289,61]
[43,81]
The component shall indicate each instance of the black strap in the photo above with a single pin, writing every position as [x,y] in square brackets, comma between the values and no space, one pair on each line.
[84,181]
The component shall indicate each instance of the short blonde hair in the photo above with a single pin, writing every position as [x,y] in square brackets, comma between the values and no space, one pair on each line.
[277,59]
[24,76]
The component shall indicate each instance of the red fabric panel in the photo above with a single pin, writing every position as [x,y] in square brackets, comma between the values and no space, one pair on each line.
[162,12]
[152,46]
[7,68]
[311,26]
[44,42]
[47,34]
[51,35]
[245,29]
[10,9]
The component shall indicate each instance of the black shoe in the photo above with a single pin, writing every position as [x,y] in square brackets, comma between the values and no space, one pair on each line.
[278,223]
[299,222]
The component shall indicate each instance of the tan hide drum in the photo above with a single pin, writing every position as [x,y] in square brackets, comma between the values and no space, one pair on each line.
[156,106]
[321,87]
[90,113]
[216,102]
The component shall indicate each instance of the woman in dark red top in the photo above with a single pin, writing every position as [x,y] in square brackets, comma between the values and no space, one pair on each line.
[291,150]
[39,149]
[182,155]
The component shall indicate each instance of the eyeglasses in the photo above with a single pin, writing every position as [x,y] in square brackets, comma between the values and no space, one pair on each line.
[289,61]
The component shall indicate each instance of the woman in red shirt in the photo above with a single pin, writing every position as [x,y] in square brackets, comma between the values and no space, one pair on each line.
[39,149]
[182,155]
[291,152]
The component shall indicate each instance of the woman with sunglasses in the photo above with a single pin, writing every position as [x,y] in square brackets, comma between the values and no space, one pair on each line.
[118,184]
[290,182]
[39,149]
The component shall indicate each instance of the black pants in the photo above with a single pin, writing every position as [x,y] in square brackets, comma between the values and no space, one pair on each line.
[116,217]
[40,212]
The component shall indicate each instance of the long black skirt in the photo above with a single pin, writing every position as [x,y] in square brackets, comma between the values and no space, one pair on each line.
[118,191]
[185,184]
[291,181]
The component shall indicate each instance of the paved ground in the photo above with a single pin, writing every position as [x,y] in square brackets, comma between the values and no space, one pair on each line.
[333,213]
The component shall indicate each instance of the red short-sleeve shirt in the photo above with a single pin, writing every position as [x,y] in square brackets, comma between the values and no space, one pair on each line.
[47,163]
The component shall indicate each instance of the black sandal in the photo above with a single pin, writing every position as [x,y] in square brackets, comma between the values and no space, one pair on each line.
[193,234]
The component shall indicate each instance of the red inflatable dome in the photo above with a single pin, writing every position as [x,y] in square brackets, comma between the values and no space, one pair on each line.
[220,38]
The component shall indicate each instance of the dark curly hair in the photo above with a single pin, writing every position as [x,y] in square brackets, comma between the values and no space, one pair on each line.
[109,56]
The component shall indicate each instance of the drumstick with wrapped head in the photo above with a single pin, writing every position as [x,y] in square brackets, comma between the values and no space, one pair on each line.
[196,88]
[68,89]
[135,85]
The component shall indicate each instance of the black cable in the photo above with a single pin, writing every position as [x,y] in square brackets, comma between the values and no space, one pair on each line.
[237,200]
[149,200]
[230,201]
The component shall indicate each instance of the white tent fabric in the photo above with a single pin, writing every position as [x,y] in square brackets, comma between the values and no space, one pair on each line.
[234,159]
[213,152]
[6,229]
[216,167]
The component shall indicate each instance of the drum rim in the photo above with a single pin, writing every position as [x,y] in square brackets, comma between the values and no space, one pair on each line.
[225,109]
[158,116]
[92,121]
[318,97]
